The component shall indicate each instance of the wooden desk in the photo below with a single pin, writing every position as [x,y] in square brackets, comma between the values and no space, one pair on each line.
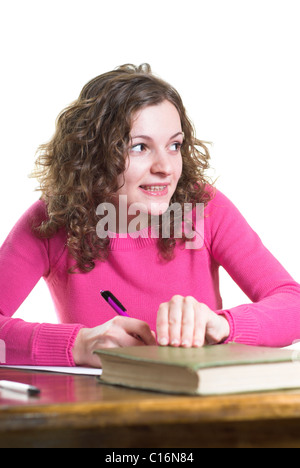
[77,411]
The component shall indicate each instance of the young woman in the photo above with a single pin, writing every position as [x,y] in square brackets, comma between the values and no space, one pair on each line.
[127,142]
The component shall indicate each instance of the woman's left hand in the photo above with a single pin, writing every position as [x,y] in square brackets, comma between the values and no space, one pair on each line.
[183,321]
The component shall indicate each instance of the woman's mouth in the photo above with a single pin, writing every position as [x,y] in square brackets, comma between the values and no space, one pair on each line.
[155,190]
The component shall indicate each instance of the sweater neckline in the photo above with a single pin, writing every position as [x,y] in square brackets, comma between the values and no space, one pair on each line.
[133,241]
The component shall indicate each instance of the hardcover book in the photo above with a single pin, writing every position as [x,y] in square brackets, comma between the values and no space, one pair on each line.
[211,370]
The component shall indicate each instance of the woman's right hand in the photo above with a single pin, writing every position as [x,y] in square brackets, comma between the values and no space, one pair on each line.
[118,332]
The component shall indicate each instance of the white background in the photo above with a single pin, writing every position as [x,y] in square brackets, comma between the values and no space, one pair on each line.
[234,62]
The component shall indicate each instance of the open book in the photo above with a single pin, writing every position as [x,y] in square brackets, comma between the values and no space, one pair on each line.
[212,370]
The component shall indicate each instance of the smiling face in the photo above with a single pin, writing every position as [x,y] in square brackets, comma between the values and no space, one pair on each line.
[154,158]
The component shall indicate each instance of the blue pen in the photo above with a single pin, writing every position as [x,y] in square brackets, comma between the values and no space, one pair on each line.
[114,303]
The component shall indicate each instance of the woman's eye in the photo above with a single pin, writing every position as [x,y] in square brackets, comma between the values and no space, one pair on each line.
[138,148]
[141,148]
[175,146]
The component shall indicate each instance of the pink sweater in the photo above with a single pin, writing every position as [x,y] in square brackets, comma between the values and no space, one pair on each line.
[141,281]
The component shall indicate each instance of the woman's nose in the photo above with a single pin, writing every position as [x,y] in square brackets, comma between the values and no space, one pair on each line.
[161,163]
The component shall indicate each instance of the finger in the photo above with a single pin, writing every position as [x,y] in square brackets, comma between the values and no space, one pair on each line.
[187,322]
[175,317]
[139,330]
[123,339]
[199,327]
[132,340]
[162,325]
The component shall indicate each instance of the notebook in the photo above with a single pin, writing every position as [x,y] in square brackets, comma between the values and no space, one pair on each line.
[211,370]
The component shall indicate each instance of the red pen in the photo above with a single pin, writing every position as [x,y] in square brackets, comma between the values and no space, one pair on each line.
[114,303]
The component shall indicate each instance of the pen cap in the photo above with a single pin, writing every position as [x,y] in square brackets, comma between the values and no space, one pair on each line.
[110,298]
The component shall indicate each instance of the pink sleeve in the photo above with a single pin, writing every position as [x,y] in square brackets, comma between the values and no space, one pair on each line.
[24,259]
[273,317]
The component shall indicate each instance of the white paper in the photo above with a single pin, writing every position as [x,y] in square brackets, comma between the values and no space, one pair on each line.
[57,369]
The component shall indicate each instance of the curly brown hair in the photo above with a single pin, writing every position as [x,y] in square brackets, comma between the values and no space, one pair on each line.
[79,168]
